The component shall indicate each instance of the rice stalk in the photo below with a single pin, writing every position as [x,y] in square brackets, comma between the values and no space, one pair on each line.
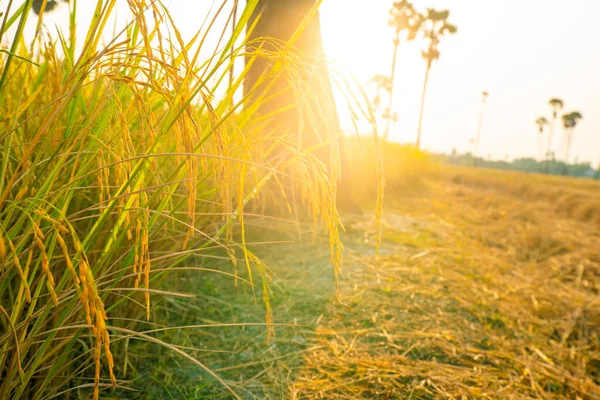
[111,156]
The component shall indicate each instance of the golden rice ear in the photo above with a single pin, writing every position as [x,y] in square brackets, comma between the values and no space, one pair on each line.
[2,247]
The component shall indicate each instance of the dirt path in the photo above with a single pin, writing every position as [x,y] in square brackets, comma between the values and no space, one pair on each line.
[476,295]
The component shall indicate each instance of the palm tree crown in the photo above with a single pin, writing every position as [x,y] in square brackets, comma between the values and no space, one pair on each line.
[382,83]
[557,105]
[541,122]
[435,25]
[571,119]
[404,17]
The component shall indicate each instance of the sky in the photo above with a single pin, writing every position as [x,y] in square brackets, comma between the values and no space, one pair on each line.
[523,52]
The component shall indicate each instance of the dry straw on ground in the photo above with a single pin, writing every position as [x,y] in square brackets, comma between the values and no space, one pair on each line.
[478,293]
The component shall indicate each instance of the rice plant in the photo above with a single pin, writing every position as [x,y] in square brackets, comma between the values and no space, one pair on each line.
[119,165]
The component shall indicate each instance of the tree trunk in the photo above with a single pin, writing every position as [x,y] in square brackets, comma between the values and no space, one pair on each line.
[280,19]
[479,125]
[310,114]
[418,144]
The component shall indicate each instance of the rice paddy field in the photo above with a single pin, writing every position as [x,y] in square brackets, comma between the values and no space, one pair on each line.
[162,237]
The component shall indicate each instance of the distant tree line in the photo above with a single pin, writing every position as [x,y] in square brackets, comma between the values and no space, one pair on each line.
[553,167]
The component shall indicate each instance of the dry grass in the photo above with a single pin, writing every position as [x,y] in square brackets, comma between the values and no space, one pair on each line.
[477,294]
[577,198]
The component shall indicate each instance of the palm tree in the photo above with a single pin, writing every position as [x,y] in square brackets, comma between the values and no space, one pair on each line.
[434,26]
[484,96]
[570,121]
[382,84]
[541,123]
[402,17]
[557,105]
